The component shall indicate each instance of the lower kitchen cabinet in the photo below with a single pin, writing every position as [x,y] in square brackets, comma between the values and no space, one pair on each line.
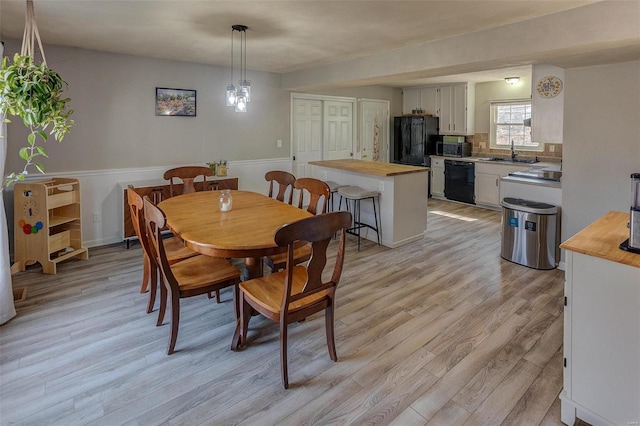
[437,177]
[601,326]
[487,184]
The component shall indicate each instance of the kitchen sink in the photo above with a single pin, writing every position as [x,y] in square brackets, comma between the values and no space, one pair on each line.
[509,160]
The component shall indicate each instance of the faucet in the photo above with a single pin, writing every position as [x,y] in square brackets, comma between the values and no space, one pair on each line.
[514,154]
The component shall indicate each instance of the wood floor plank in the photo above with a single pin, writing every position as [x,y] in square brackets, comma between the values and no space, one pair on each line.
[408,417]
[497,406]
[82,349]
[434,399]
[536,401]
[450,415]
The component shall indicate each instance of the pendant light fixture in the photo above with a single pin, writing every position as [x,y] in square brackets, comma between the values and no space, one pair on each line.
[238,96]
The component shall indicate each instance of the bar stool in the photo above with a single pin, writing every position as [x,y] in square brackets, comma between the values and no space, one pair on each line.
[357,194]
[333,188]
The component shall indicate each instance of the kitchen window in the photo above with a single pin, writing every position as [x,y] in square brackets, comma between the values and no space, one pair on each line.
[507,125]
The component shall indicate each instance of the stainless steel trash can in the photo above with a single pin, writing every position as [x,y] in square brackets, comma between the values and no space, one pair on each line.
[529,233]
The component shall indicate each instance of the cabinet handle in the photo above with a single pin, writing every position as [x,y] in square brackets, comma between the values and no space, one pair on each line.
[496,181]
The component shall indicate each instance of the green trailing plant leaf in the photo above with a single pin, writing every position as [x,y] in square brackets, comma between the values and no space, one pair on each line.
[33,92]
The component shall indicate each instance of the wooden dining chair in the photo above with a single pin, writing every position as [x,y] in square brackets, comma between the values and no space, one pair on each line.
[186,174]
[174,248]
[319,194]
[299,291]
[281,182]
[194,276]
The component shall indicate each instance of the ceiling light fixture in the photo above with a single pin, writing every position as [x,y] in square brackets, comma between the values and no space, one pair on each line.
[512,80]
[238,96]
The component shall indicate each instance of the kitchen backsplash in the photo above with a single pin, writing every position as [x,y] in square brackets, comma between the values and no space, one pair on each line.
[552,151]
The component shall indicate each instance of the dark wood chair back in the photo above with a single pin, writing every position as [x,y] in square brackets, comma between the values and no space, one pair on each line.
[194,276]
[136,207]
[299,291]
[319,193]
[187,175]
[318,231]
[155,220]
[279,183]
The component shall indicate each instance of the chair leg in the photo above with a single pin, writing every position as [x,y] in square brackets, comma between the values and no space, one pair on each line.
[209,295]
[163,302]
[153,287]
[331,342]
[237,296]
[146,273]
[356,211]
[283,353]
[175,321]
[375,216]
[245,315]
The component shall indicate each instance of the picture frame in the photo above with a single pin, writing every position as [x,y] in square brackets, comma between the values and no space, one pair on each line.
[175,102]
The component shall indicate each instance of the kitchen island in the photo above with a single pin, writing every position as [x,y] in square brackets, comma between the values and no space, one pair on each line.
[403,195]
[601,326]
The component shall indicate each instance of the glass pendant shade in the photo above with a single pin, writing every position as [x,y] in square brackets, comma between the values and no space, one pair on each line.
[238,96]
[231,95]
[241,104]
[244,87]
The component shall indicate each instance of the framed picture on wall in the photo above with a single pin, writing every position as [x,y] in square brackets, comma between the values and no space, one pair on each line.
[175,102]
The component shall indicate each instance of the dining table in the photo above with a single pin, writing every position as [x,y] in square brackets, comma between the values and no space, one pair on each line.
[246,231]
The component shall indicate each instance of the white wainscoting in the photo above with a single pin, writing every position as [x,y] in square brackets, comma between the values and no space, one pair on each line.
[101,193]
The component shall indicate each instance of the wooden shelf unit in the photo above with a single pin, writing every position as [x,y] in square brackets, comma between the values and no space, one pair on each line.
[48,229]
[160,191]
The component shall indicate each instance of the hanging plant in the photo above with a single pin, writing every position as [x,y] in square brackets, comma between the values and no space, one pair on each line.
[33,92]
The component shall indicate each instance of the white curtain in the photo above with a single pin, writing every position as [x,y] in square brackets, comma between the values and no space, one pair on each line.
[7,309]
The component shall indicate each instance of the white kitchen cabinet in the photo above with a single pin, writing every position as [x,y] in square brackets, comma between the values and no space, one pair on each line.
[429,101]
[423,98]
[487,182]
[601,380]
[454,104]
[437,177]
[457,109]
[410,100]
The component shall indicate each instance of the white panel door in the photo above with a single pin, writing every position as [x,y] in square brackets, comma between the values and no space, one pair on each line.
[374,130]
[338,130]
[307,134]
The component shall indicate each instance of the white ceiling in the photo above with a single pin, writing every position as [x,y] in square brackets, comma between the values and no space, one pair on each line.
[283,36]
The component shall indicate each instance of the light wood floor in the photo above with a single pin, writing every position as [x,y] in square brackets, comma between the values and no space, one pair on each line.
[438,332]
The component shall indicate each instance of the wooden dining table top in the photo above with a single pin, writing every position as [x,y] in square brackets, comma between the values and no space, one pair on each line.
[245,231]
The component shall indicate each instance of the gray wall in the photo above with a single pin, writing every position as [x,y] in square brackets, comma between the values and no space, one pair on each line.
[493,91]
[601,142]
[116,126]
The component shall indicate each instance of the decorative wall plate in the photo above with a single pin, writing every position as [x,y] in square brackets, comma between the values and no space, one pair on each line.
[548,87]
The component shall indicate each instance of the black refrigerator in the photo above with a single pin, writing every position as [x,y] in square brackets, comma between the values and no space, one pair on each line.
[414,139]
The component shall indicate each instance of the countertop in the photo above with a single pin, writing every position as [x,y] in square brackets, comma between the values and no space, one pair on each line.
[539,165]
[602,239]
[532,181]
[374,168]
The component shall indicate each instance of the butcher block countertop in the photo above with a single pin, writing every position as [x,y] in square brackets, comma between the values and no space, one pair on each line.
[602,239]
[374,168]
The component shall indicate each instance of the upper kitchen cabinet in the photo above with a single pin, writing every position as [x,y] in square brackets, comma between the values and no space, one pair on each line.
[420,98]
[454,104]
[457,109]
